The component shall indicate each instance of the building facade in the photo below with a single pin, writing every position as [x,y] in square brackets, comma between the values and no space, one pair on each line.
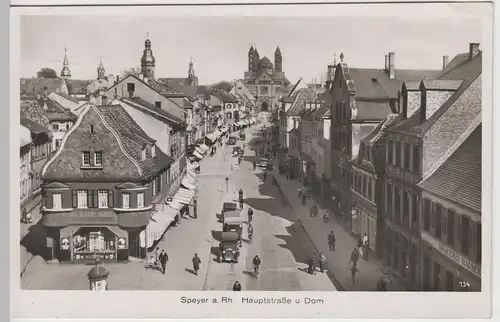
[264,80]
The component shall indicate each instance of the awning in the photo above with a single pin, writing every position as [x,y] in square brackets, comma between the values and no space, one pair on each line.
[217,133]
[210,136]
[158,224]
[185,196]
[197,154]
[188,184]
[199,150]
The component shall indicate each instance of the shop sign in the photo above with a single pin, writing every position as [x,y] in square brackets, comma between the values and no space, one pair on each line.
[122,244]
[65,243]
[453,255]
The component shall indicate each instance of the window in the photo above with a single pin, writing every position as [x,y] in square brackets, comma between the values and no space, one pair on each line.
[397,202]
[130,87]
[143,154]
[398,154]
[390,152]
[103,198]
[153,151]
[57,201]
[406,156]
[140,200]
[451,228]
[58,143]
[406,207]
[370,188]
[82,199]
[465,235]
[414,211]
[437,221]
[126,200]
[68,126]
[55,126]
[427,215]
[86,158]
[158,104]
[389,199]
[98,158]
[416,159]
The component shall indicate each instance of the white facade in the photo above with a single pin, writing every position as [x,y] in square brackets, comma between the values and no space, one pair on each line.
[25,165]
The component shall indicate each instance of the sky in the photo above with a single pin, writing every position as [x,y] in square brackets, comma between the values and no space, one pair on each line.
[219,45]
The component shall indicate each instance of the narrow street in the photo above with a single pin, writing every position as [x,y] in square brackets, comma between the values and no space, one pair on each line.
[282,245]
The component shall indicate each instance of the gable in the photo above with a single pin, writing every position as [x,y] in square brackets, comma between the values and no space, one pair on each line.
[67,162]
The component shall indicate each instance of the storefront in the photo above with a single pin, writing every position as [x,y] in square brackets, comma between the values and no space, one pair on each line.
[445,269]
[363,221]
[85,243]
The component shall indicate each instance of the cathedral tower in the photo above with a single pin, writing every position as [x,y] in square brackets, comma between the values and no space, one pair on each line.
[278,60]
[101,72]
[256,59]
[148,60]
[251,59]
[65,72]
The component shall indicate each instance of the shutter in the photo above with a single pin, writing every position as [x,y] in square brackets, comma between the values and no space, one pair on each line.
[110,199]
[75,198]
[90,202]
[96,198]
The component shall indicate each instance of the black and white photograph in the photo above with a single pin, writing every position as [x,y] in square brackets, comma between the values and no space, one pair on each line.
[238,153]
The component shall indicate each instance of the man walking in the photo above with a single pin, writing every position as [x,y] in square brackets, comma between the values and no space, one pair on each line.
[163,260]
[331,240]
[366,246]
[314,211]
[353,274]
[354,257]
[196,264]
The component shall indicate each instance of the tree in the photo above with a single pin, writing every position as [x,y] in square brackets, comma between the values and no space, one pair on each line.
[134,71]
[46,72]
[224,85]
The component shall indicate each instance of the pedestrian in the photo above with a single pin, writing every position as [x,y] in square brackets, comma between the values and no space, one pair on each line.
[354,257]
[304,199]
[299,193]
[353,274]
[196,264]
[314,210]
[382,284]
[237,286]
[195,208]
[366,247]
[359,241]
[312,265]
[163,260]
[331,240]
[322,263]
[157,254]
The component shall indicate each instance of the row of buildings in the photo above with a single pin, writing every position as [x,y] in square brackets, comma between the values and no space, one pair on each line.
[396,154]
[113,164]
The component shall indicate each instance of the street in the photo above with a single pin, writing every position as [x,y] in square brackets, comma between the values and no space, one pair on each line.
[281,243]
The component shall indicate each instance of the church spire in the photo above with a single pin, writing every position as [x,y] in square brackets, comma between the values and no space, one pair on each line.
[101,72]
[65,72]
[148,60]
[192,79]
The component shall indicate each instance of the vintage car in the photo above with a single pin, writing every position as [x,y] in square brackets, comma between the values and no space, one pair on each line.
[232,220]
[227,206]
[228,247]
[236,151]
[263,163]
[232,140]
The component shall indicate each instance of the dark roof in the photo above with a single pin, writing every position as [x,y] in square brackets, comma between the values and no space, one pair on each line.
[180,87]
[303,95]
[135,101]
[68,97]
[77,86]
[441,84]
[160,87]
[55,112]
[134,139]
[379,131]
[372,110]
[458,179]
[35,128]
[460,67]
[33,86]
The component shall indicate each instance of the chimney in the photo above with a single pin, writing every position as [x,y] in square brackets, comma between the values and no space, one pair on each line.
[473,50]
[391,65]
[117,78]
[445,61]
[387,63]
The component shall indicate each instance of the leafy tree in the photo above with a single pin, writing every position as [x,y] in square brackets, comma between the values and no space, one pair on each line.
[224,85]
[134,71]
[46,72]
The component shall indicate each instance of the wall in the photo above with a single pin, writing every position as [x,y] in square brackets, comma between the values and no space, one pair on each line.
[434,100]
[25,169]
[414,100]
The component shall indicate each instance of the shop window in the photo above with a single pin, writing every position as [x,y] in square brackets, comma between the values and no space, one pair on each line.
[103,198]
[478,243]
[82,199]
[88,242]
[427,215]
[140,200]
[450,238]
[98,158]
[86,158]
[126,200]
[57,200]
[437,221]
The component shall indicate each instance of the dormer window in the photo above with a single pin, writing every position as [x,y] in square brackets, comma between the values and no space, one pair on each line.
[143,154]
[86,158]
[153,151]
[158,104]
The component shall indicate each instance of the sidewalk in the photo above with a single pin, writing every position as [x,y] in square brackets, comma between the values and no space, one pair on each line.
[369,272]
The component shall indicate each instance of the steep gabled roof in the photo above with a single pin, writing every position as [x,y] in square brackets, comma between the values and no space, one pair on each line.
[34,127]
[148,107]
[459,178]
[303,95]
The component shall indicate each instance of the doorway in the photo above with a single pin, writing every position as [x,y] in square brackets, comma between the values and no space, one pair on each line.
[264,107]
